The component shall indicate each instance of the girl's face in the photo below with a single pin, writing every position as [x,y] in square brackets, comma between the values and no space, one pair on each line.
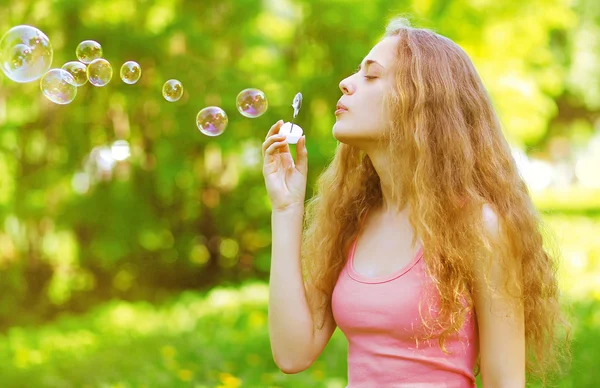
[361,121]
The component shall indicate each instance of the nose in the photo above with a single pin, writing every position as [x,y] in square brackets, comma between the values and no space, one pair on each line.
[345,86]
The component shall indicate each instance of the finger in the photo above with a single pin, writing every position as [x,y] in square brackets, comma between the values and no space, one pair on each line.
[302,156]
[273,148]
[285,149]
[270,140]
[286,155]
[274,129]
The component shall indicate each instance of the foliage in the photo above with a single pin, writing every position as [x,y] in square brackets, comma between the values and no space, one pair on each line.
[219,339]
[190,212]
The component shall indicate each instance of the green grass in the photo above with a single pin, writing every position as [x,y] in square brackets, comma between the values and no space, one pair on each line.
[219,339]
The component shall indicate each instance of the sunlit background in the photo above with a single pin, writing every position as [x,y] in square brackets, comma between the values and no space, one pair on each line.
[135,249]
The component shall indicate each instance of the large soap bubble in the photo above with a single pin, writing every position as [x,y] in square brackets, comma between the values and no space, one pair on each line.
[25,53]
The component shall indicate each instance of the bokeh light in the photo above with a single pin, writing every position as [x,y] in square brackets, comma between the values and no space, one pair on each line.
[120,150]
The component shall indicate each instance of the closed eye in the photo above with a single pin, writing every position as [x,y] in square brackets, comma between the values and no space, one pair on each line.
[369,77]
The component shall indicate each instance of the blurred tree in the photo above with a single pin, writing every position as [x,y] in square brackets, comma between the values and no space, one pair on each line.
[189,211]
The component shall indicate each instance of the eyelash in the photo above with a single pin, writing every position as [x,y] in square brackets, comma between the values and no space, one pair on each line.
[368,77]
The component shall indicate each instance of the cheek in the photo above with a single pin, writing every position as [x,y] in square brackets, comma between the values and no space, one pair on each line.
[374,94]
[374,105]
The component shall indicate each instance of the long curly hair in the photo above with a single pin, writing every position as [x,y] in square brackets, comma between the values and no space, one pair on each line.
[447,159]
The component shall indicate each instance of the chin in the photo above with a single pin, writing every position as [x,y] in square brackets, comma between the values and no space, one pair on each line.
[338,132]
[342,134]
[340,128]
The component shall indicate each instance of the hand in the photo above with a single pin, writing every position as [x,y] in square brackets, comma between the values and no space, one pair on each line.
[284,179]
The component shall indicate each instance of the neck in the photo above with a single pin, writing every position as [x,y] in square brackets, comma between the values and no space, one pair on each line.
[392,203]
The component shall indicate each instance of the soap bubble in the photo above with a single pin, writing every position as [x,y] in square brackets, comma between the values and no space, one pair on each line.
[88,50]
[251,103]
[78,70]
[58,86]
[25,53]
[172,90]
[131,72]
[212,121]
[99,72]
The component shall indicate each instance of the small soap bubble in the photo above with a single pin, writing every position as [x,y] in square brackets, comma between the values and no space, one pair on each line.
[25,53]
[58,86]
[251,103]
[212,121]
[78,70]
[131,72]
[172,90]
[88,50]
[99,72]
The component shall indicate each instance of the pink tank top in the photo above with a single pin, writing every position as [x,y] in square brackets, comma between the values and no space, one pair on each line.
[380,318]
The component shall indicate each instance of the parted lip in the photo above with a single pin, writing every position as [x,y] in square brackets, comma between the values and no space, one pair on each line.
[341,106]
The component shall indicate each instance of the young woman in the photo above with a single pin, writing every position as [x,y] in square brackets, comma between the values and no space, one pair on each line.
[421,243]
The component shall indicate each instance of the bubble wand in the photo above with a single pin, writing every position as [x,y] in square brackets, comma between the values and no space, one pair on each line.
[293,135]
[297,104]
[287,128]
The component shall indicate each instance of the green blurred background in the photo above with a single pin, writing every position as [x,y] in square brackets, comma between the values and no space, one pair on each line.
[151,271]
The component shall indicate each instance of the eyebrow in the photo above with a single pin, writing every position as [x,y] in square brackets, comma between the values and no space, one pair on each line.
[368,62]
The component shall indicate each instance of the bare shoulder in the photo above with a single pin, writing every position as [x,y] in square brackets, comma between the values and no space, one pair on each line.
[491,219]
[492,225]
[497,272]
